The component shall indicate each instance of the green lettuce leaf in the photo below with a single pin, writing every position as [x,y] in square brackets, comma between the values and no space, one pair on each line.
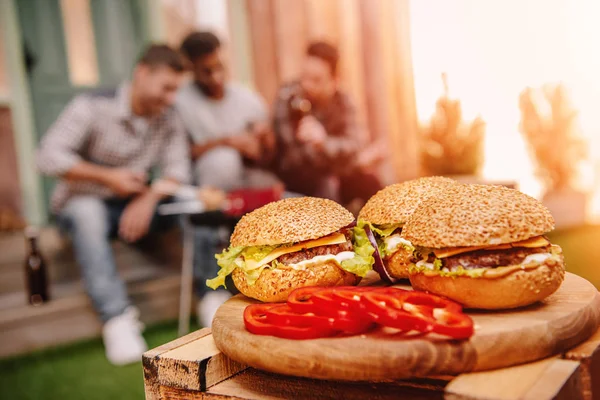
[257,253]
[227,261]
[363,260]
[384,230]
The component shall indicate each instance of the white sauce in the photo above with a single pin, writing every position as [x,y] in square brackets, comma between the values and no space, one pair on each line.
[343,256]
[537,258]
[424,263]
[394,241]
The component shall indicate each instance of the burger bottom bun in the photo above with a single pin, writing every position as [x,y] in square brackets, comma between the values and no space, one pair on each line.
[516,289]
[397,264]
[275,284]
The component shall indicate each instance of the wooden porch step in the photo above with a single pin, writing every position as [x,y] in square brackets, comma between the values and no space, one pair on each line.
[152,276]
[164,252]
[71,318]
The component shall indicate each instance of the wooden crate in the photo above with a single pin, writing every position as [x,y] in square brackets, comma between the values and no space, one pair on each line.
[192,367]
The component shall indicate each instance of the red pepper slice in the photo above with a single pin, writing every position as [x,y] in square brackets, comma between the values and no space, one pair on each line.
[420,311]
[343,322]
[388,310]
[283,315]
[255,320]
[300,300]
[313,312]
[318,300]
[455,325]
[446,315]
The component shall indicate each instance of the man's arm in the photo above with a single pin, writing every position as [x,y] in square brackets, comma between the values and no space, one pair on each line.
[285,133]
[59,154]
[198,150]
[343,145]
[174,159]
[59,150]
[174,166]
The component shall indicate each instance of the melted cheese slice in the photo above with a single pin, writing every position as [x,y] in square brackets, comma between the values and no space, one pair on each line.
[336,238]
[538,241]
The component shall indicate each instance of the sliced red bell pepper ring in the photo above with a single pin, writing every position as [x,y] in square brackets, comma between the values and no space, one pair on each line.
[455,325]
[438,314]
[388,310]
[446,315]
[283,315]
[345,323]
[255,321]
[300,300]
[303,300]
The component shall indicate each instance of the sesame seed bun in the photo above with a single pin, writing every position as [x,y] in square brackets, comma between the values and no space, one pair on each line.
[395,203]
[477,215]
[397,264]
[289,221]
[274,285]
[517,289]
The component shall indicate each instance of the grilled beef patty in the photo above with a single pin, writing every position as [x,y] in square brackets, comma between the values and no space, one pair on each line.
[307,254]
[491,258]
[486,258]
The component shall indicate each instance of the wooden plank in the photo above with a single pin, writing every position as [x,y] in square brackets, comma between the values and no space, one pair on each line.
[171,393]
[151,359]
[254,384]
[196,365]
[588,354]
[70,319]
[536,381]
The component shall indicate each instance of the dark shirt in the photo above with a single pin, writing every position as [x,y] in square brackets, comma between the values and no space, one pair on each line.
[302,165]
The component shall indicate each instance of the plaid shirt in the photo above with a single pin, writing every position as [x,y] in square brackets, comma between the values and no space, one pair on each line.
[344,136]
[100,128]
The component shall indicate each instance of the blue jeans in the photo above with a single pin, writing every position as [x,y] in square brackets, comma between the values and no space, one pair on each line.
[207,243]
[91,223]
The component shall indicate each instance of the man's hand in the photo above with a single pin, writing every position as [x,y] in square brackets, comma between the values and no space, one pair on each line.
[247,144]
[310,130]
[212,198]
[124,182]
[136,218]
[266,136]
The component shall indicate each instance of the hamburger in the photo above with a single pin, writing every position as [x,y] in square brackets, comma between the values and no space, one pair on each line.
[385,214]
[291,243]
[484,246]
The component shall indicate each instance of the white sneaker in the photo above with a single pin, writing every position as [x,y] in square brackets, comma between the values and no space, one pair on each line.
[123,341]
[207,307]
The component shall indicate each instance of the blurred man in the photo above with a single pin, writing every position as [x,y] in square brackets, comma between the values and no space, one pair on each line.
[227,124]
[102,148]
[318,136]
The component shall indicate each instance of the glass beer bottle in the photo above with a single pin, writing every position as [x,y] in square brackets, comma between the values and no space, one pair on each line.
[35,270]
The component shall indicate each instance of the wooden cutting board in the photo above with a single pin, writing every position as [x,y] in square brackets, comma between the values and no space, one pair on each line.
[502,339]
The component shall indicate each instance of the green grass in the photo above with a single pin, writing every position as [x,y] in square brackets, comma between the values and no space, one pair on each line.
[78,371]
[81,371]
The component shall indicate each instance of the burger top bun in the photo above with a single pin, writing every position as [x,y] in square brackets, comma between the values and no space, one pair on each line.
[477,215]
[395,203]
[290,220]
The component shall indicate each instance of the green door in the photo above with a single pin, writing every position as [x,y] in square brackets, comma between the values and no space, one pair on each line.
[118,37]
